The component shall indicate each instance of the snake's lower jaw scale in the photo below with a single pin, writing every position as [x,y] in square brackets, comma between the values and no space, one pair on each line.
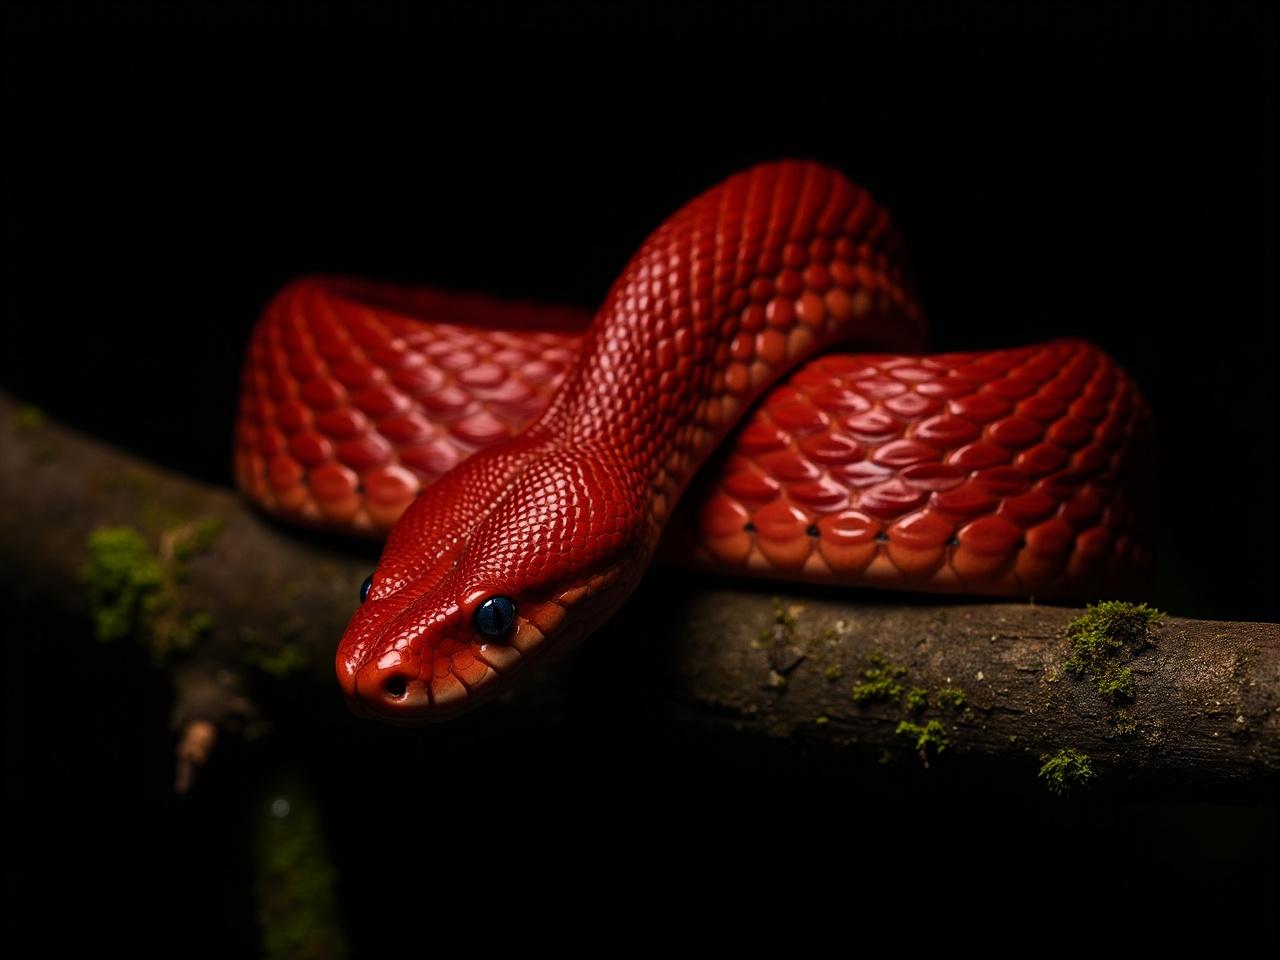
[400,696]
[502,657]
[403,689]
[527,638]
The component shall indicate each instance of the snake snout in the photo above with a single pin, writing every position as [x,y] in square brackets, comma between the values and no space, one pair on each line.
[386,687]
[392,691]
[398,687]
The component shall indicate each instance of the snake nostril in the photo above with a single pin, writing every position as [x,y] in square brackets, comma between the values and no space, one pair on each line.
[396,687]
[394,691]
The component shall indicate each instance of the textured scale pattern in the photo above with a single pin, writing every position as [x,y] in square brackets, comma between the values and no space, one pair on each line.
[527,459]
[999,473]
[350,405]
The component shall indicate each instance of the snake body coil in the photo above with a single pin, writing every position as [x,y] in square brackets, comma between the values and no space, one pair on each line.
[533,469]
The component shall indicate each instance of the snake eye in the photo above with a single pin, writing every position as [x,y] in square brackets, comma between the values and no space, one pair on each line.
[495,617]
[364,587]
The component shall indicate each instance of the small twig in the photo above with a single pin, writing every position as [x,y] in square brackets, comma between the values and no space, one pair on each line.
[194,746]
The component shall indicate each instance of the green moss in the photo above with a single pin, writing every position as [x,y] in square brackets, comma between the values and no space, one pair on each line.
[1117,685]
[295,878]
[880,681]
[883,682]
[876,691]
[1066,770]
[950,697]
[281,656]
[123,579]
[833,673]
[135,591]
[880,684]
[1105,636]
[917,699]
[931,738]
[27,419]
[285,661]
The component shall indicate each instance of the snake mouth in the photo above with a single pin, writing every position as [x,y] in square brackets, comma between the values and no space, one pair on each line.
[415,672]
[411,691]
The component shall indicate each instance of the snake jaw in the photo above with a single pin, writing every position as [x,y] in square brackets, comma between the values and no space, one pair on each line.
[408,665]
[414,660]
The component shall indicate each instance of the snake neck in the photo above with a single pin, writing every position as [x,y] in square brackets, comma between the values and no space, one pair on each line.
[729,294]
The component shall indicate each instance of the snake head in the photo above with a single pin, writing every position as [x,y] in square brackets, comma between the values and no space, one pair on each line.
[449,618]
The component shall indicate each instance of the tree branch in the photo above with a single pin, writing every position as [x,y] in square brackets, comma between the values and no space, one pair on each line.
[231,600]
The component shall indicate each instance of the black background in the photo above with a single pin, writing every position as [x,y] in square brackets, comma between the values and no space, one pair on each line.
[1057,169]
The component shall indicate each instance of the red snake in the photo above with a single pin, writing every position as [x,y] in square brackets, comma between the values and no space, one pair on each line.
[527,469]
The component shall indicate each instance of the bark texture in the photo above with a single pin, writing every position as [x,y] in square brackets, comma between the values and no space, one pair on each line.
[239,602]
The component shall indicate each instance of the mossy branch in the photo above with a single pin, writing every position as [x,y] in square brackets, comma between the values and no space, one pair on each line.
[236,608]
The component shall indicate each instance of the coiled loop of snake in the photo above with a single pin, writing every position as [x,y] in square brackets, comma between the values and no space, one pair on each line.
[1000,473]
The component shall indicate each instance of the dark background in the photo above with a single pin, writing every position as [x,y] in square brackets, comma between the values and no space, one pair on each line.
[1057,169]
